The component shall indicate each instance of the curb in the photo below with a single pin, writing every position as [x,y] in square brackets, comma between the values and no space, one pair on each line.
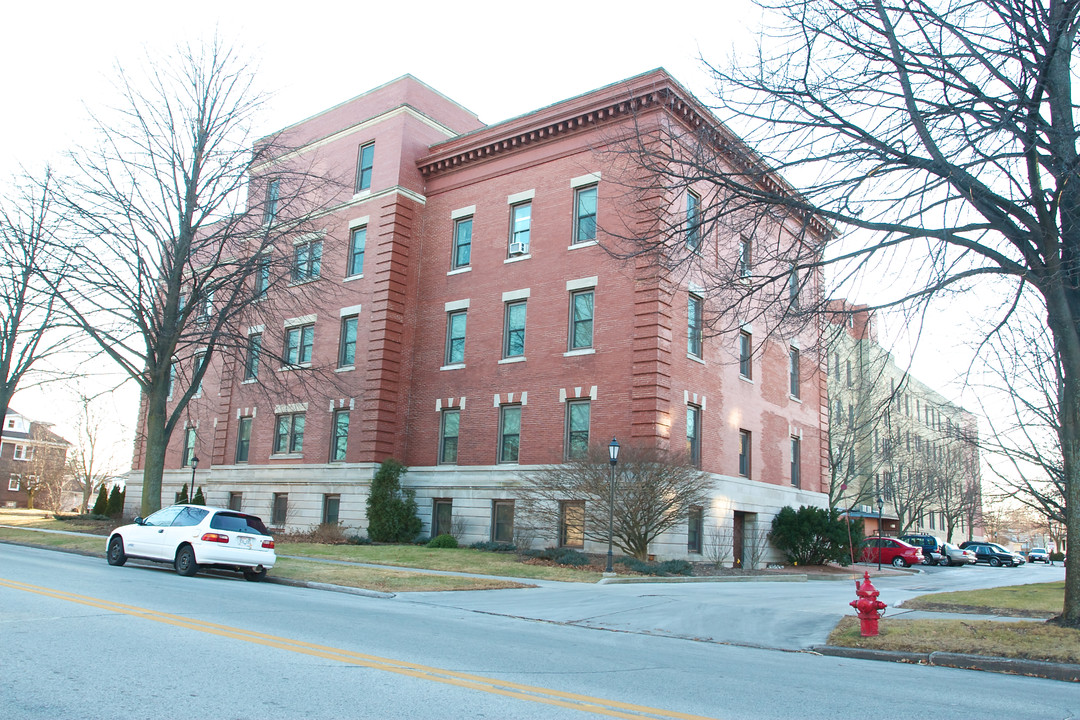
[701,579]
[1012,666]
[363,592]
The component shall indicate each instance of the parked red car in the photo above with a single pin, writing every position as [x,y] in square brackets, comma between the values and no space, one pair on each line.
[890,551]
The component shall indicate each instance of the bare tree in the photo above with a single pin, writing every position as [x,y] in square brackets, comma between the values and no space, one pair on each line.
[89,462]
[185,226]
[719,545]
[46,475]
[653,493]
[29,220]
[938,135]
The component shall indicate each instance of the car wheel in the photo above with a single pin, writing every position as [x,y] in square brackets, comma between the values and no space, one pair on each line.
[994,562]
[185,561]
[899,562]
[253,575]
[115,554]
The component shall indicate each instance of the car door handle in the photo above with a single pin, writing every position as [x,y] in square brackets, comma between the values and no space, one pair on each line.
[161,530]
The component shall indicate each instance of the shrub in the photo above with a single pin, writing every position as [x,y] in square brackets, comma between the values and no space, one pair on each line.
[490,546]
[114,507]
[1057,557]
[199,499]
[675,567]
[445,540]
[391,511]
[358,540]
[813,535]
[328,534]
[560,556]
[102,502]
[182,496]
[662,569]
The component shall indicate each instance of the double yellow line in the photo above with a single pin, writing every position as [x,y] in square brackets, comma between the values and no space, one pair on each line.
[584,703]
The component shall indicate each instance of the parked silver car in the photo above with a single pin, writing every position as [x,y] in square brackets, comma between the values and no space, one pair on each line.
[955,556]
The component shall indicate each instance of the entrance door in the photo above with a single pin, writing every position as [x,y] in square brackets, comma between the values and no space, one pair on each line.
[441,518]
[738,531]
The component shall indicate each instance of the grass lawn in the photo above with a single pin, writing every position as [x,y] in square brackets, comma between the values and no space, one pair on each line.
[1034,640]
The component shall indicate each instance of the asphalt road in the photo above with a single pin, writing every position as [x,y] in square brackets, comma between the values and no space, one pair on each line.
[81,639]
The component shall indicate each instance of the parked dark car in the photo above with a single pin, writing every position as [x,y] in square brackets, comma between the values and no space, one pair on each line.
[930,546]
[891,551]
[989,553]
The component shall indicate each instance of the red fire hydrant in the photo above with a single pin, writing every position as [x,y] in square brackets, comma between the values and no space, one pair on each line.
[868,606]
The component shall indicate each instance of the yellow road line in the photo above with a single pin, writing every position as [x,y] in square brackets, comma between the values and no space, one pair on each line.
[530,693]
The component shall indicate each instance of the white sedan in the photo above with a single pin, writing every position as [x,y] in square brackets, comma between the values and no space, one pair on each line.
[193,537]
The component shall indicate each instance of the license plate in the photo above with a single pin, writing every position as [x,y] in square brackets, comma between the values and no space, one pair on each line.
[244,542]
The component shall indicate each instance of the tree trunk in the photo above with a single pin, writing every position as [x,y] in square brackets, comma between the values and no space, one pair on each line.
[156,444]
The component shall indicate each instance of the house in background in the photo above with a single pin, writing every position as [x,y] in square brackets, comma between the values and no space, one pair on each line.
[476,327]
[895,439]
[33,466]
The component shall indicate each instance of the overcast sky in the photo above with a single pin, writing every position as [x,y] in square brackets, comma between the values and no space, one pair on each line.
[497,59]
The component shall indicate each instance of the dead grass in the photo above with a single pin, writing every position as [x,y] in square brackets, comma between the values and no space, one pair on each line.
[394,581]
[1025,640]
[94,545]
[1040,600]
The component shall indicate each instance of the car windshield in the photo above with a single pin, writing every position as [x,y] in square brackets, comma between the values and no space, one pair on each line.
[1038,550]
[237,522]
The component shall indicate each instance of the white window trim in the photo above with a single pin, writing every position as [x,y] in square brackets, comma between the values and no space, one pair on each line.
[455,366]
[303,320]
[458,271]
[581,284]
[290,408]
[309,237]
[587,243]
[517,258]
[463,212]
[455,305]
[523,196]
[351,310]
[579,351]
[583,180]
[515,359]
[512,295]
[256,329]
[359,222]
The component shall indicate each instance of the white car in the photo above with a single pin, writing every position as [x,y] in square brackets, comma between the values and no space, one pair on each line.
[195,536]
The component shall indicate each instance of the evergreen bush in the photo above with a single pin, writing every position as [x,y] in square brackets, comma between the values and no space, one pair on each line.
[198,499]
[101,505]
[182,497]
[445,540]
[391,511]
[813,535]
[491,546]
[114,507]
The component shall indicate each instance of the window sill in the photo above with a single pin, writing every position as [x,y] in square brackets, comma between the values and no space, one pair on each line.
[695,358]
[580,351]
[347,368]
[747,380]
[455,366]
[361,195]
[458,271]
[508,361]
[517,258]
[287,456]
[587,243]
[249,381]
[794,399]
[350,278]
[298,366]
[304,281]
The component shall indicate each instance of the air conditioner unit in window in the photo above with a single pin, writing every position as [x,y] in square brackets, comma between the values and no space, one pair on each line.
[518,248]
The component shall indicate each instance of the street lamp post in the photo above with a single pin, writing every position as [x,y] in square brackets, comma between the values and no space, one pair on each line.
[194,464]
[613,457]
[880,527]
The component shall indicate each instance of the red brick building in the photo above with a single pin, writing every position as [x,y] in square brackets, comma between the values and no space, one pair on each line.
[476,326]
[32,463]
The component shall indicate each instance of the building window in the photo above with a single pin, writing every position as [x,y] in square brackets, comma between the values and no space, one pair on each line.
[455,337]
[298,344]
[236,501]
[172,378]
[307,261]
[509,433]
[448,437]
[693,326]
[744,453]
[581,319]
[289,433]
[462,243]
[357,243]
[793,371]
[22,452]
[849,373]
[251,359]
[745,247]
[363,167]
[339,438]
[243,439]
[14,482]
[694,526]
[331,506]
[189,447]
[514,330]
[279,511]
[745,354]
[693,221]
[442,517]
[262,275]
[693,434]
[577,429]
[273,191]
[347,343]
[793,287]
[796,464]
[572,523]
[502,521]
[585,214]
[196,362]
[520,225]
